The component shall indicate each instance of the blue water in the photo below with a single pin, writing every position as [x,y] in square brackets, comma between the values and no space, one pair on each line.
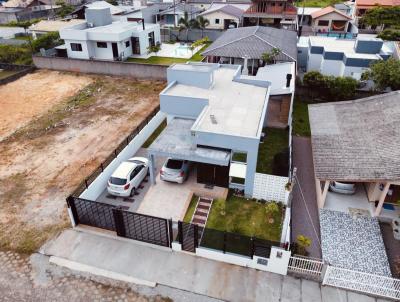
[337,35]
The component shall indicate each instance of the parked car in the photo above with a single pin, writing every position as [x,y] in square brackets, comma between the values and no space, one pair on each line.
[128,176]
[175,170]
[342,187]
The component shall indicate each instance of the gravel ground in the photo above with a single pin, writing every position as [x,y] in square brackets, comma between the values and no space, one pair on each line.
[24,278]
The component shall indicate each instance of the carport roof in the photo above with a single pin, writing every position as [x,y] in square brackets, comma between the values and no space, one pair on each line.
[357,140]
[176,141]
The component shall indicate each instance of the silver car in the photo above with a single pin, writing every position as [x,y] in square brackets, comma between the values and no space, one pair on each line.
[342,187]
[175,170]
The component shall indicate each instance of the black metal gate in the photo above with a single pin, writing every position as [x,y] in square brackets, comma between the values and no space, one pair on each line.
[126,224]
[142,227]
[188,235]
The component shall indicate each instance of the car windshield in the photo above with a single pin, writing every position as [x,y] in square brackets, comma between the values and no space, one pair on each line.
[117,181]
[174,164]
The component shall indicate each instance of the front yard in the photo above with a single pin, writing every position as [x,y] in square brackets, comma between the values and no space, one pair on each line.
[197,57]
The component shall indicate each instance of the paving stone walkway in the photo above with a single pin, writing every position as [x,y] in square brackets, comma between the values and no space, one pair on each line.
[24,278]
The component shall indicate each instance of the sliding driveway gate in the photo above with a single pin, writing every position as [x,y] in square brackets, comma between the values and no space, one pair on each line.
[126,224]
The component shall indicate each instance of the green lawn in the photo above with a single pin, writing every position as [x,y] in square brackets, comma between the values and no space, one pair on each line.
[24,38]
[155,134]
[276,141]
[301,123]
[316,3]
[169,61]
[190,209]
[246,217]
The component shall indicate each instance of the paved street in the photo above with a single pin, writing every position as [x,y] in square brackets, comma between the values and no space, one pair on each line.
[188,272]
[305,219]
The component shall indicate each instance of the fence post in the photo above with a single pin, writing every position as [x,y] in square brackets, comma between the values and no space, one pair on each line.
[252,247]
[196,235]
[72,212]
[119,222]
[224,243]
[180,232]
[324,272]
[170,232]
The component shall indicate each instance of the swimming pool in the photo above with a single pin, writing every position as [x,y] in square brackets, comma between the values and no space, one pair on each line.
[337,35]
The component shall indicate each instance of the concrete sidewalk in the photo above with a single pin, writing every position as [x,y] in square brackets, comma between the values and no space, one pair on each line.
[188,272]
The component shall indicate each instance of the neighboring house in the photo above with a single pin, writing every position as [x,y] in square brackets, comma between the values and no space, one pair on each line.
[211,117]
[280,14]
[206,4]
[170,17]
[46,26]
[330,19]
[346,8]
[14,11]
[362,6]
[358,142]
[101,38]
[246,45]
[340,57]
[223,17]
[304,15]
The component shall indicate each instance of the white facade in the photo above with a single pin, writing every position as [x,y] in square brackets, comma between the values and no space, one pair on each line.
[113,41]
[341,57]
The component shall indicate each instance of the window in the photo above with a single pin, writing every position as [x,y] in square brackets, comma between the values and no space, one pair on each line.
[117,181]
[101,45]
[127,44]
[76,47]
[216,21]
[323,22]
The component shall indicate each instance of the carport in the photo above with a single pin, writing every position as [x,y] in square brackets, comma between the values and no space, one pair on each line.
[178,141]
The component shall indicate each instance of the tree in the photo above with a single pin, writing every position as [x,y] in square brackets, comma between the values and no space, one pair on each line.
[65,9]
[390,34]
[341,88]
[270,56]
[303,242]
[185,24]
[47,41]
[202,24]
[314,79]
[384,74]
[154,48]
[387,16]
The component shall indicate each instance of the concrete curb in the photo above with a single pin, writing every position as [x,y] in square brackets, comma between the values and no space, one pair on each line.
[72,265]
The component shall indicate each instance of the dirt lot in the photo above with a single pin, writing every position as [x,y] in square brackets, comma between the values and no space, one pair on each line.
[33,95]
[66,133]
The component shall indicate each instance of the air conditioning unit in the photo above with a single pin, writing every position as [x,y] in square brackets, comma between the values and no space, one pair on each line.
[90,25]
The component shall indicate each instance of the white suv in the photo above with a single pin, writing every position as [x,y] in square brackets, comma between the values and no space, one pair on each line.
[128,176]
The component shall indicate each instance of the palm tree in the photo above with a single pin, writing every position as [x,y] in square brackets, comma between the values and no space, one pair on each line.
[269,57]
[185,24]
[202,24]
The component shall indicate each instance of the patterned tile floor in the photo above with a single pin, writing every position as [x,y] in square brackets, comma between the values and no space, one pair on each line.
[355,244]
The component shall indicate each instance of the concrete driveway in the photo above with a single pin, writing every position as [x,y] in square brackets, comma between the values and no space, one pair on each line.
[305,217]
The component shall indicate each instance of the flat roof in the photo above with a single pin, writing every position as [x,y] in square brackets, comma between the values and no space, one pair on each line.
[54,25]
[357,140]
[176,141]
[276,74]
[118,27]
[236,108]
[346,46]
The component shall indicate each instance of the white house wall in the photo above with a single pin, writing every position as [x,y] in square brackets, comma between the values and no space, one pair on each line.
[354,72]
[314,62]
[221,16]
[332,67]
[144,39]
[100,183]
[84,54]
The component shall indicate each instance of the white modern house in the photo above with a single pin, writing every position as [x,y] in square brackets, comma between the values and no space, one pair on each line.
[101,38]
[340,57]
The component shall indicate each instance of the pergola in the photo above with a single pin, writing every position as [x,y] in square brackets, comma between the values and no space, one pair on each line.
[356,141]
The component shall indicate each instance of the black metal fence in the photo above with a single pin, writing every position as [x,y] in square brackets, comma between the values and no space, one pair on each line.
[191,236]
[89,179]
[126,224]
[92,213]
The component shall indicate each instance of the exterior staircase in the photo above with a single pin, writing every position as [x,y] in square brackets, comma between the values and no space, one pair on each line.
[201,212]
